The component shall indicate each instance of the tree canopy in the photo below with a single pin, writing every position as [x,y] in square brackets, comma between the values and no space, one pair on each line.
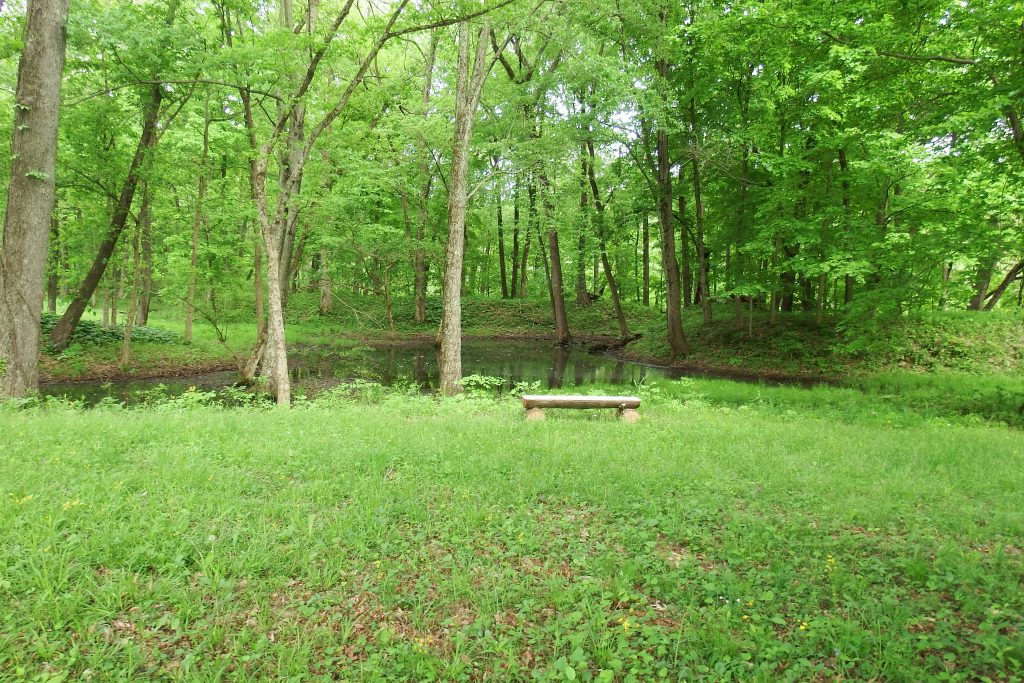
[860,160]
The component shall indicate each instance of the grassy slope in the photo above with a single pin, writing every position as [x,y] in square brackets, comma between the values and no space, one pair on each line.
[794,344]
[418,540]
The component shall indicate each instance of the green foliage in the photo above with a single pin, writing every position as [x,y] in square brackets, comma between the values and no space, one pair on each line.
[958,340]
[92,333]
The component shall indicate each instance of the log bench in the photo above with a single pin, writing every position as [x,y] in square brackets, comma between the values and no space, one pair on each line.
[625,406]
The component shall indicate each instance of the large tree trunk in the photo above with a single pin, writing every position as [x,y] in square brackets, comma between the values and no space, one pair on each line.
[275,355]
[66,326]
[30,195]
[467,97]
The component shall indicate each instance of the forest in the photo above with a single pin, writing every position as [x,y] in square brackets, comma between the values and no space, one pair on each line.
[276,274]
[215,158]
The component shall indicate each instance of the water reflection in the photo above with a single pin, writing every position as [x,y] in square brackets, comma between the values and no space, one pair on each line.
[316,368]
[548,365]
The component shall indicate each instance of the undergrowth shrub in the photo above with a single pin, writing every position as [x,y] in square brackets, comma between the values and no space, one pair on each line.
[92,333]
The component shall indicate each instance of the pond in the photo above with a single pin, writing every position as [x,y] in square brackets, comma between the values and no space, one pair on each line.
[314,368]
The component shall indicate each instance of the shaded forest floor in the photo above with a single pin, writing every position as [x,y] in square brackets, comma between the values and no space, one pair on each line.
[736,532]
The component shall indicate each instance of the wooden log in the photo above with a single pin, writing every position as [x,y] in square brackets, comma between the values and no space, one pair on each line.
[553,401]
[629,415]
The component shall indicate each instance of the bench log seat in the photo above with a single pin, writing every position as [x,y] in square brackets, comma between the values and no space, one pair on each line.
[625,406]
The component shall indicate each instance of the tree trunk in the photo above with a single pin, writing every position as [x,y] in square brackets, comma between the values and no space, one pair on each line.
[256,356]
[788,280]
[197,221]
[467,97]
[684,239]
[291,171]
[698,207]
[582,295]
[670,268]
[684,246]
[296,266]
[66,326]
[388,309]
[30,195]
[115,296]
[981,285]
[533,227]
[844,168]
[105,295]
[819,311]
[613,289]
[53,278]
[501,251]
[773,307]
[647,259]
[275,355]
[326,295]
[515,239]
[562,336]
[997,293]
[426,177]
[133,295]
[147,271]
[543,257]
[524,259]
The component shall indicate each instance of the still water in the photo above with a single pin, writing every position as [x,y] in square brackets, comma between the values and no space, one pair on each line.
[314,368]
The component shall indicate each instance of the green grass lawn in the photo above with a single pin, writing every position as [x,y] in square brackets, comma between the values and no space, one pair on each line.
[407,538]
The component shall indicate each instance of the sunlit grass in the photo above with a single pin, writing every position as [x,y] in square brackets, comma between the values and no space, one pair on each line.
[414,539]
